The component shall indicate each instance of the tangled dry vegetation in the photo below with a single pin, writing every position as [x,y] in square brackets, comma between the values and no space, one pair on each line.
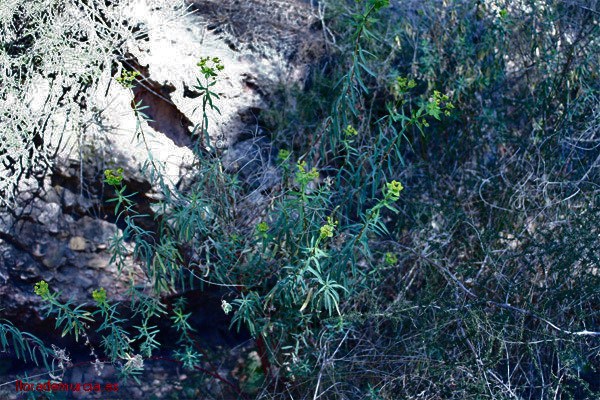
[494,293]
[281,26]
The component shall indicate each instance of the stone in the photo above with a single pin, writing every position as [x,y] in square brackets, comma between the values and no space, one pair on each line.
[51,196]
[77,243]
[82,281]
[83,204]
[29,272]
[50,217]
[98,261]
[55,255]
[68,198]
[3,271]
[96,231]
[6,222]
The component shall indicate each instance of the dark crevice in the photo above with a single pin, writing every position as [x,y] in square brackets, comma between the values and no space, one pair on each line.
[189,93]
[163,114]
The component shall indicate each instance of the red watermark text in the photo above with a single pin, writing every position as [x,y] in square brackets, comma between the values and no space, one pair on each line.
[65,387]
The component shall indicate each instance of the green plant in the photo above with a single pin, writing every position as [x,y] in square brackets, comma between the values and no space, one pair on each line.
[209,67]
[25,345]
[69,318]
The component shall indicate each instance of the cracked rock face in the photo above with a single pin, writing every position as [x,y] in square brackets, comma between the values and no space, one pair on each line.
[60,231]
[39,241]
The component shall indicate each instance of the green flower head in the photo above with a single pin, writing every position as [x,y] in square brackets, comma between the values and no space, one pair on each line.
[127,77]
[304,176]
[350,131]
[301,166]
[400,86]
[327,229]
[394,188]
[99,296]
[283,155]
[41,289]
[263,227]
[113,178]
[208,71]
[390,259]
[435,106]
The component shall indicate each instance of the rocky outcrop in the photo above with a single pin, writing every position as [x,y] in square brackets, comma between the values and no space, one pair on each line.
[70,251]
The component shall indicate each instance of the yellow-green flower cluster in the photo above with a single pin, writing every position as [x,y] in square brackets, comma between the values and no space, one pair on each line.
[401,85]
[127,77]
[328,228]
[263,227]
[304,176]
[394,188]
[390,258]
[283,155]
[207,70]
[99,296]
[113,178]
[302,168]
[405,83]
[442,97]
[350,131]
[435,106]
[41,289]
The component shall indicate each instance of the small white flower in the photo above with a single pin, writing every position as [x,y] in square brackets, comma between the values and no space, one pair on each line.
[226,307]
[135,363]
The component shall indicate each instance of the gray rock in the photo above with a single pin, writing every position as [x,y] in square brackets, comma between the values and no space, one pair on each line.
[50,217]
[98,261]
[68,198]
[55,255]
[33,209]
[51,196]
[77,243]
[82,281]
[29,272]
[6,222]
[96,231]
